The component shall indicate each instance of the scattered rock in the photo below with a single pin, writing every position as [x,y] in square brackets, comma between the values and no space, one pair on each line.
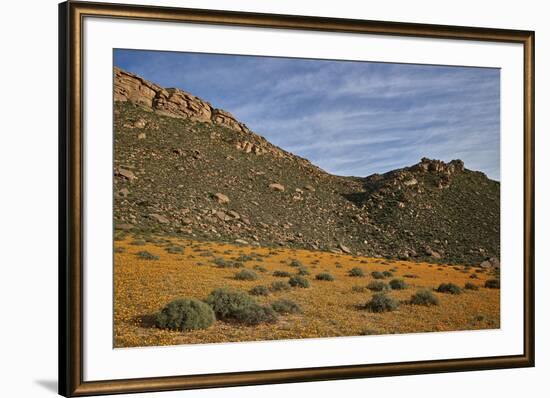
[124,192]
[309,188]
[492,262]
[159,218]
[241,241]
[124,227]
[277,187]
[140,123]
[127,174]
[234,214]
[141,136]
[345,249]
[221,198]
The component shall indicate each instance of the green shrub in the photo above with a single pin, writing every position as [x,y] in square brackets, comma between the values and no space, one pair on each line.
[138,243]
[246,275]
[296,263]
[324,276]
[303,271]
[474,276]
[174,249]
[145,255]
[424,297]
[377,275]
[380,302]
[298,281]
[256,314]
[279,286]
[450,288]
[226,301]
[410,276]
[231,304]
[398,284]
[471,286]
[356,272]
[285,306]
[259,268]
[244,258]
[387,274]
[377,286]
[492,283]
[185,314]
[223,263]
[281,274]
[358,289]
[259,291]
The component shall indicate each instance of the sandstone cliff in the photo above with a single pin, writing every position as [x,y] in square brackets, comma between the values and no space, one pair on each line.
[170,101]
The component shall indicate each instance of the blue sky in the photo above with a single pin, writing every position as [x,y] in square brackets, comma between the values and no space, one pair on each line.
[349,118]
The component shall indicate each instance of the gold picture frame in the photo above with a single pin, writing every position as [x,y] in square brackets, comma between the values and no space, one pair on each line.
[71,239]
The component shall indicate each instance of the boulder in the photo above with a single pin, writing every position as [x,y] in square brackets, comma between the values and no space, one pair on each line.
[159,218]
[345,249]
[221,198]
[127,174]
[277,187]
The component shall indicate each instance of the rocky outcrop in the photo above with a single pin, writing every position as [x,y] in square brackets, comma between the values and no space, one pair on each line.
[439,166]
[170,101]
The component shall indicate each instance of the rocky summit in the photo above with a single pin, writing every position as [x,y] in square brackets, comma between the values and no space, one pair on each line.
[185,168]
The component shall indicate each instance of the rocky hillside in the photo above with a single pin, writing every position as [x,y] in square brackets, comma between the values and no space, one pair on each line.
[183,167]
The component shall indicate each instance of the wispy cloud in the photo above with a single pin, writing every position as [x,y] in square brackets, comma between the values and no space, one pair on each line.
[350,118]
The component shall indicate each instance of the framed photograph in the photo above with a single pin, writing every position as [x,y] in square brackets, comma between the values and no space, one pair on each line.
[254,199]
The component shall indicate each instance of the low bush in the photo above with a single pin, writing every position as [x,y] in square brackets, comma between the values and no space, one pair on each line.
[398,284]
[303,271]
[223,263]
[298,281]
[474,276]
[450,288]
[138,243]
[174,249]
[226,301]
[377,275]
[259,291]
[424,297]
[358,289]
[256,314]
[285,306]
[281,274]
[387,274]
[259,268]
[279,286]
[324,276]
[410,276]
[380,302]
[145,255]
[231,304]
[356,272]
[296,263]
[185,314]
[378,286]
[492,284]
[246,275]
[470,286]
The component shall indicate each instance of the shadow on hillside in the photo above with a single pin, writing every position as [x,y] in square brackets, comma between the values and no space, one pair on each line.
[359,199]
